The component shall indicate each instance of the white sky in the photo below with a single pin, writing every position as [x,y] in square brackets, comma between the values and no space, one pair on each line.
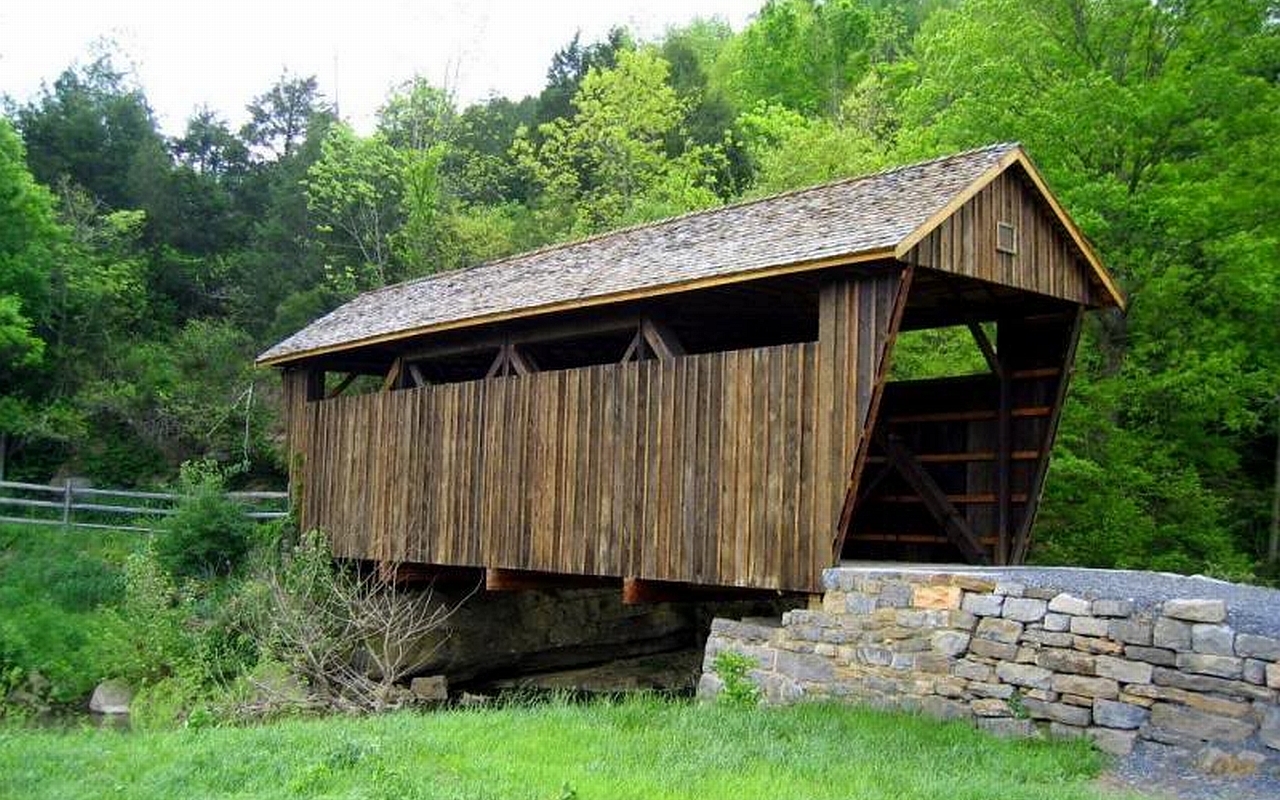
[224,52]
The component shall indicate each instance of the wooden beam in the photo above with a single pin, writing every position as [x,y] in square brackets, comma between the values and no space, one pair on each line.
[342,385]
[635,350]
[1004,447]
[935,500]
[988,350]
[404,574]
[1022,539]
[519,362]
[905,280]
[977,415]
[661,339]
[964,458]
[638,591]
[511,580]
[393,375]
[415,373]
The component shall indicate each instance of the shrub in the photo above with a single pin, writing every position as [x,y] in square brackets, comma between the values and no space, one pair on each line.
[733,669]
[209,535]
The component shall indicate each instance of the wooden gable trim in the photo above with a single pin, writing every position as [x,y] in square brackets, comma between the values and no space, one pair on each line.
[879,254]
[1019,157]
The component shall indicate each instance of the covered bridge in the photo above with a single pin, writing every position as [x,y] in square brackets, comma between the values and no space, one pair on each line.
[706,400]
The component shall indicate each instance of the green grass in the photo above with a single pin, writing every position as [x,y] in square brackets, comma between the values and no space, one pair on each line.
[639,748]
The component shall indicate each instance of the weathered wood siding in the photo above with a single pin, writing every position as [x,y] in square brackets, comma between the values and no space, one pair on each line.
[1046,261]
[719,469]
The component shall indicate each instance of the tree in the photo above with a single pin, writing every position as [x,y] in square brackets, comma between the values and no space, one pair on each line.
[1152,121]
[93,127]
[29,237]
[609,163]
[280,118]
[354,192]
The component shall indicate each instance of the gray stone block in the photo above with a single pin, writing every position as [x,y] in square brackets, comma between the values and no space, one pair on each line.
[1056,623]
[857,603]
[1090,626]
[1068,714]
[972,670]
[950,643]
[1163,676]
[1228,667]
[1027,675]
[1111,714]
[1130,631]
[1195,610]
[1070,661]
[1261,647]
[982,605]
[1060,731]
[1255,672]
[805,667]
[1113,742]
[1112,608]
[1065,603]
[938,708]
[1171,634]
[1214,640]
[875,656]
[999,691]
[1052,639]
[996,650]
[1151,655]
[1269,729]
[1021,609]
[709,686]
[1189,722]
[895,594]
[1007,728]
[1085,686]
[990,707]
[1123,670]
[998,630]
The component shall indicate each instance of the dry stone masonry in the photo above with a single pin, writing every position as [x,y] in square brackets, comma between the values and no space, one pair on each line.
[1018,660]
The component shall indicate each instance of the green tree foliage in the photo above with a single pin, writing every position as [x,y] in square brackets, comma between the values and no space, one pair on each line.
[136,289]
[611,163]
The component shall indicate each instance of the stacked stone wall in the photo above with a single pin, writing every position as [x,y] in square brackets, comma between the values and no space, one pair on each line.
[1019,661]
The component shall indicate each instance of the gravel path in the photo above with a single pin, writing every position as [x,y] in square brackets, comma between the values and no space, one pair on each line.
[1160,771]
[1251,609]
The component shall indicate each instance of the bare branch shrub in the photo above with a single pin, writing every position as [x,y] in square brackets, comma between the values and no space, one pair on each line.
[349,636]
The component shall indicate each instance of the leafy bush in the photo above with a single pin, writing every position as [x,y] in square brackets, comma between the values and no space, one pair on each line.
[733,669]
[209,535]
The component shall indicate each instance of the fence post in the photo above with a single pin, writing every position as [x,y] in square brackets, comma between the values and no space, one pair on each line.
[66,505]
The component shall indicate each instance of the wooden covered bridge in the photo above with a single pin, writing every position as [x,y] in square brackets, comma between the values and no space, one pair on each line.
[706,400]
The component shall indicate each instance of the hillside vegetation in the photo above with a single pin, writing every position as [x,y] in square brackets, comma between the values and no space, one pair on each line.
[140,273]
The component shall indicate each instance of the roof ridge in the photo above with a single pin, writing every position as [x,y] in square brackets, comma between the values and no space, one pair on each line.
[657,223]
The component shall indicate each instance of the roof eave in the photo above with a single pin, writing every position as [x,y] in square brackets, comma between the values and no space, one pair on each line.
[876,254]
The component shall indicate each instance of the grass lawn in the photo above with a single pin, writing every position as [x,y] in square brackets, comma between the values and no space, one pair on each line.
[640,748]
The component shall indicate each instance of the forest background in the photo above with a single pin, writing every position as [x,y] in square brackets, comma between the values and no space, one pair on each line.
[141,273]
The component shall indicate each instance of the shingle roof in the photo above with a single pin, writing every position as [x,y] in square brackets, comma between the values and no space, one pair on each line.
[846,218]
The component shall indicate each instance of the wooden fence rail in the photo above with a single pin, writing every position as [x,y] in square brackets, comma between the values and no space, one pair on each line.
[38,504]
